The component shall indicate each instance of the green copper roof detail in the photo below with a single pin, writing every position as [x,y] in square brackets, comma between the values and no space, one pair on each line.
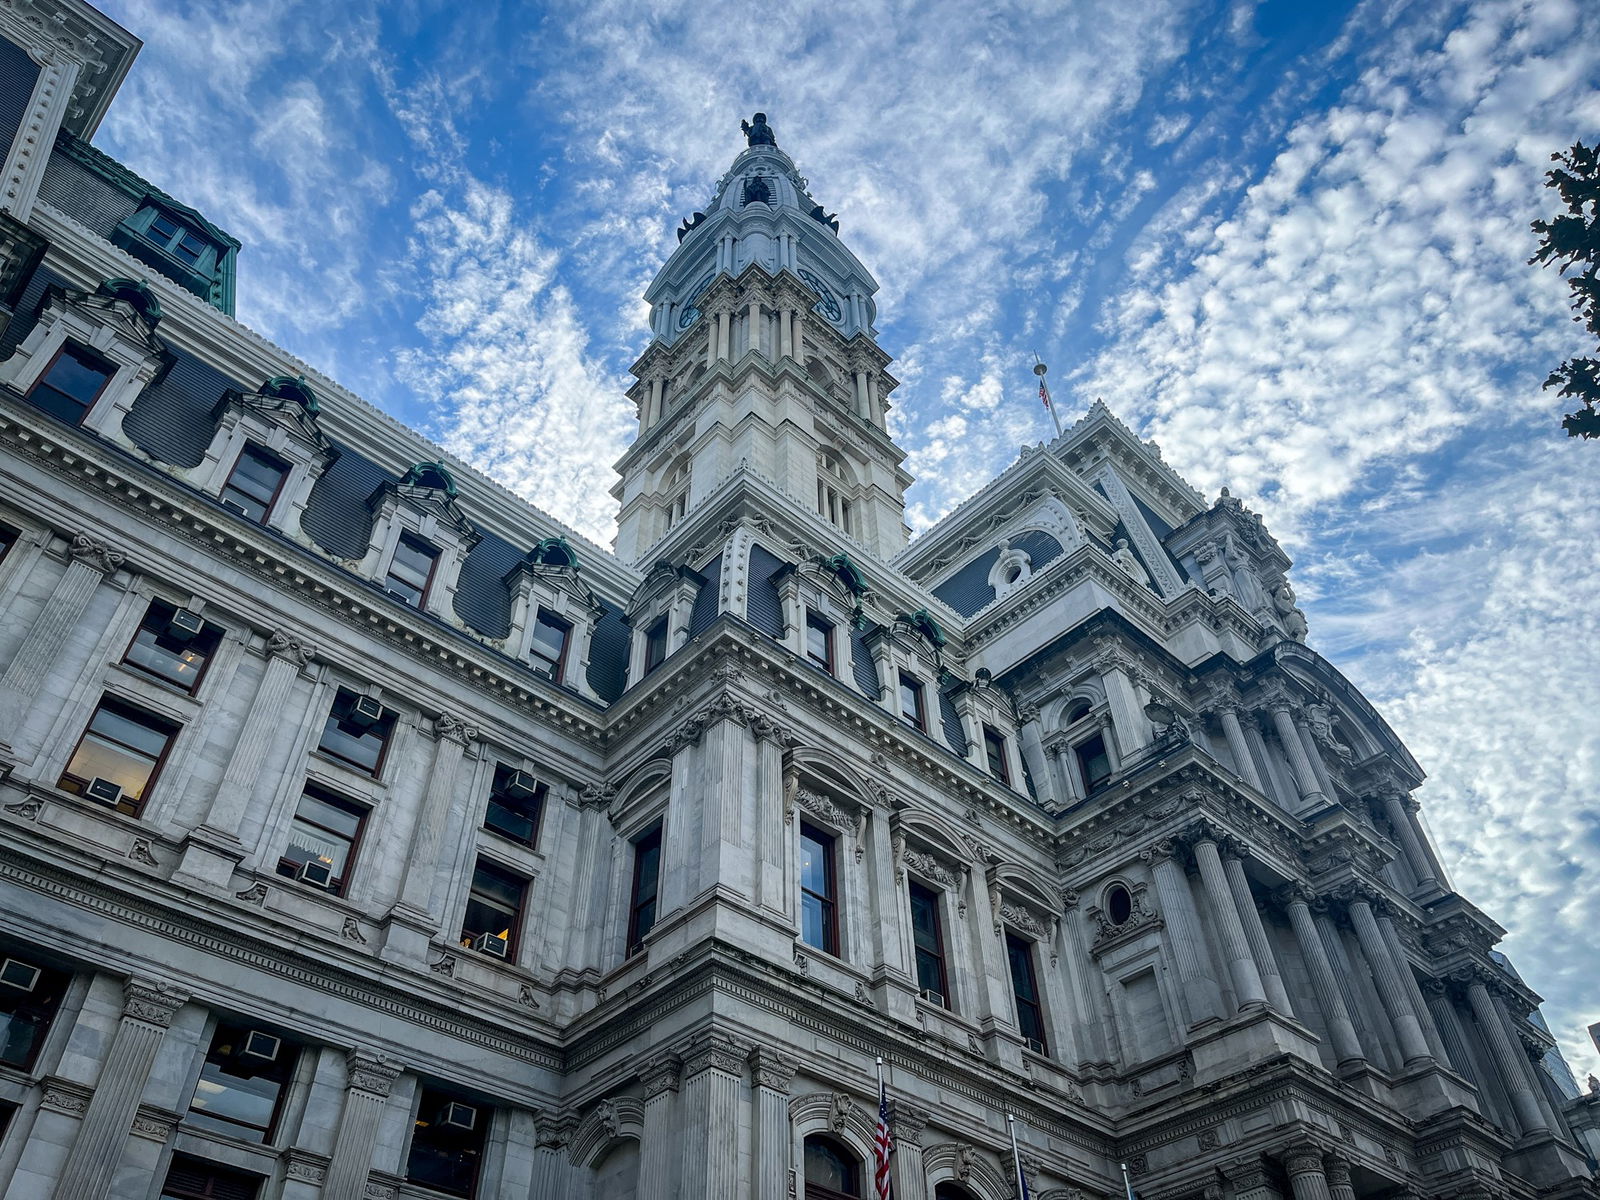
[430,475]
[135,292]
[293,387]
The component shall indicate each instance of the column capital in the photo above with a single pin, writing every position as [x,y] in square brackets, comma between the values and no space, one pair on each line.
[661,1074]
[92,552]
[771,1069]
[150,1002]
[448,726]
[1337,1169]
[1245,1173]
[713,1051]
[1160,851]
[552,1128]
[1303,1160]
[283,644]
[366,1071]
[909,1123]
[1294,892]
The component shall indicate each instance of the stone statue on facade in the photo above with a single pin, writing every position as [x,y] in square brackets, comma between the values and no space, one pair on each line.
[1294,621]
[757,132]
[1129,562]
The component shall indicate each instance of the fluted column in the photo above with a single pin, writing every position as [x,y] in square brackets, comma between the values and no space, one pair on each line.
[1338,1172]
[1289,736]
[90,561]
[1341,1030]
[1303,1164]
[658,1151]
[1505,1055]
[1408,979]
[910,1173]
[712,1066]
[1399,808]
[1071,789]
[1385,972]
[1256,934]
[770,1075]
[147,1011]
[551,1170]
[1091,1033]
[1447,1021]
[369,1079]
[1198,984]
[1244,764]
[1247,985]
[800,336]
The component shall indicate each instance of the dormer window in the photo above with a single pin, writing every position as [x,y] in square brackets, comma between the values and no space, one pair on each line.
[183,246]
[72,383]
[913,705]
[659,615]
[254,483]
[411,569]
[819,641]
[655,644]
[994,752]
[177,238]
[547,647]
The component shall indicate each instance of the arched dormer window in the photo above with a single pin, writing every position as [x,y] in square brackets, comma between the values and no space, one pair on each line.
[832,1170]
[137,294]
[420,537]
[431,475]
[836,492]
[293,388]
[1079,710]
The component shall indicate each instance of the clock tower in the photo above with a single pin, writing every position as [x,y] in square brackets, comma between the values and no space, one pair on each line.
[763,365]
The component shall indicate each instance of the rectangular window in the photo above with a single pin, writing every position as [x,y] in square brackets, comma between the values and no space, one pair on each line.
[549,645]
[124,746]
[655,645]
[927,938]
[994,749]
[911,704]
[516,804]
[196,1179]
[411,569]
[1093,762]
[646,886]
[72,383]
[174,236]
[30,996]
[819,641]
[326,830]
[171,647]
[819,917]
[254,483]
[357,731]
[447,1142]
[494,908]
[8,539]
[241,1085]
[1025,990]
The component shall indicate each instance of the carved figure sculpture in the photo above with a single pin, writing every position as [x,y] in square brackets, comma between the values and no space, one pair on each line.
[1130,564]
[1294,621]
[757,132]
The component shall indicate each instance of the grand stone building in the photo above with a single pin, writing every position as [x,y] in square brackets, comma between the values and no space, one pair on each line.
[364,832]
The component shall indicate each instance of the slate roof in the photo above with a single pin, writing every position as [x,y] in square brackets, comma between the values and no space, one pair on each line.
[968,590]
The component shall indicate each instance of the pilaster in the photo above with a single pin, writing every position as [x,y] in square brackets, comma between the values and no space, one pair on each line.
[712,1080]
[771,1074]
[369,1080]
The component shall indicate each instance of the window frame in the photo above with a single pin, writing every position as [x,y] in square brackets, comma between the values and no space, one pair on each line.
[557,672]
[1092,783]
[79,786]
[255,450]
[656,636]
[847,1158]
[539,800]
[933,899]
[207,630]
[387,720]
[337,884]
[996,753]
[1018,947]
[9,538]
[513,927]
[412,541]
[435,1099]
[216,1170]
[43,1019]
[651,838]
[918,718]
[170,242]
[816,621]
[829,902]
[77,350]
[287,1067]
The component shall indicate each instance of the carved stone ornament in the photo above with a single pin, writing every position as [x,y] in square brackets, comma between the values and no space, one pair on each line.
[527,999]
[444,965]
[863,996]
[606,1114]
[448,725]
[1024,919]
[63,1097]
[139,852]
[26,810]
[596,795]
[151,1002]
[771,1069]
[714,1051]
[661,1075]
[282,644]
[966,1159]
[305,1168]
[153,1123]
[840,1109]
[255,894]
[931,868]
[97,554]
[1303,1160]
[351,932]
[368,1072]
[804,963]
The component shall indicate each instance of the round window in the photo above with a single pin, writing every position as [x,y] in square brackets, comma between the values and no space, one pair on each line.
[1119,905]
[1013,573]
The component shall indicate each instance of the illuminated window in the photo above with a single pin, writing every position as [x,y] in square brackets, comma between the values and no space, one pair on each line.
[494,911]
[177,649]
[122,748]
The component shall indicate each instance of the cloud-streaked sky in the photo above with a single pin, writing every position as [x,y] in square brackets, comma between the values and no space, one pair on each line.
[1288,241]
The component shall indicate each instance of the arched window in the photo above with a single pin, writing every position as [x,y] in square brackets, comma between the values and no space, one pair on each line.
[1078,712]
[834,491]
[833,1172]
[677,488]
[952,1191]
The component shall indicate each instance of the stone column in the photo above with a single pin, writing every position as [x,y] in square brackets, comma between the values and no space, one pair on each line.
[1408,979]
[214,847]
[752,321]
[1066,774]
[1091,1034]
[1344,977]
[1306,1180]
[1338,1172]
[551,1172]
[146,1013]
[1448,1022]
[1274,786]
[1399,808]
[786,333]
[1250,1179]
[712,1069]
[910,1174]
[411,925]
[1506,1054]
[1197,983]
[770,1074]
[1242,967]
[1289,735]
[1031,747]
[369,1079]
[1244,764]
[1385,972]
[90,561]
[800,336]
[1341,1030]
[1256,934]
[658,1150]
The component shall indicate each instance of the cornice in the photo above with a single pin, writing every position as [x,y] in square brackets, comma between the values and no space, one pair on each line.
[51,30]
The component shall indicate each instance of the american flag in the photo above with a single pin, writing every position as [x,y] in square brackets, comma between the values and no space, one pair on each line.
[882,1147]
[1044,393]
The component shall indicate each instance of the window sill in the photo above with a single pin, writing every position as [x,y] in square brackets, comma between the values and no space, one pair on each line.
[150,691]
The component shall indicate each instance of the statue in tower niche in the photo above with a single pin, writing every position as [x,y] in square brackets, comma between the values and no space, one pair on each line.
[1129,562]
[1294,621]
[757,132]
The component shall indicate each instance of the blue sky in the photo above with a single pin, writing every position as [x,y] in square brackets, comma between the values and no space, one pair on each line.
[1285,240]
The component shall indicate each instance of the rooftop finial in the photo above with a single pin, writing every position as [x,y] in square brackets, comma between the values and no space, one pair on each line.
[758,132]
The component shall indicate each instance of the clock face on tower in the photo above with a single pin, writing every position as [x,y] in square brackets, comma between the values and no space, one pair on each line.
[828,304]
[690,313]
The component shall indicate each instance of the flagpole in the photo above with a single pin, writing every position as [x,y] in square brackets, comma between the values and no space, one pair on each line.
[1039,369]
[1016,1158]
[883,1183]
[1127,1184]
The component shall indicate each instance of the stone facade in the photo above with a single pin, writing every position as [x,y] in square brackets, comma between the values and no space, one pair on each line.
[1054,809]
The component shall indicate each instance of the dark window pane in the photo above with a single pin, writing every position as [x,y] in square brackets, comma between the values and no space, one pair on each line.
[193,1179]
[26,1013]
[411,568]
[494,905]
[345,736]
[514,816]
[549,644]
[655,645]
[163,228]
[1094,762]
[819,641]
[928,940]
[1030,1018]
[911,702]
[444,1156]
[70,385]
[162,650]
[254,483]
[189,247]
[818,919]
[994,748]
[646,882]
[8,539]
[831,1167]
[237,1093]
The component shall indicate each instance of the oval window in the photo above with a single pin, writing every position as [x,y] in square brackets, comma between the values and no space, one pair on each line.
[1119,905]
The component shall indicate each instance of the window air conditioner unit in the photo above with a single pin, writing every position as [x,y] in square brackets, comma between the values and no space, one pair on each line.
[185,624]
[260,1047]
[520,785]
[367,710]
[490,943]
[15,973]
[1036,1045]
[104,791]
[317,873]
[933,997]
[458,1116]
